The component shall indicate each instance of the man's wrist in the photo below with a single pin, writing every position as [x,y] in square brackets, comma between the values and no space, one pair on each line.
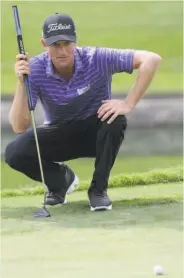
[130,104]
[20,82]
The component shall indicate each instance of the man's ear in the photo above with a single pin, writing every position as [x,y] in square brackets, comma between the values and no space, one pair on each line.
[43,43]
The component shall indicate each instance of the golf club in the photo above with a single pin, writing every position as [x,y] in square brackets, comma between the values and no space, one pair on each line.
[43,212]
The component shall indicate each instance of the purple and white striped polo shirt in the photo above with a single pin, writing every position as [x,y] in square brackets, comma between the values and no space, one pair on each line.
[81,97]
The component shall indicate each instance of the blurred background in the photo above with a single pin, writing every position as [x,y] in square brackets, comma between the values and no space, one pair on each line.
[154,134]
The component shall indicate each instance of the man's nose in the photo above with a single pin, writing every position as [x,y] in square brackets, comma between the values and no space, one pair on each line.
[62,50]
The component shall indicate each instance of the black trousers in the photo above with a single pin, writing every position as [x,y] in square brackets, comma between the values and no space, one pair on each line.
[63,142]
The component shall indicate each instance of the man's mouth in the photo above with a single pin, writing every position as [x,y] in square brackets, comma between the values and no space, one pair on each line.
[61,57]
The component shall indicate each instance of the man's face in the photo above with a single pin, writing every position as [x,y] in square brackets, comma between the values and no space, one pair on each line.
[61,53]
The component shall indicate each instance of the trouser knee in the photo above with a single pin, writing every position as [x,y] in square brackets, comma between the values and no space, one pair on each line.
[117,126]
[19,150]
[12,156]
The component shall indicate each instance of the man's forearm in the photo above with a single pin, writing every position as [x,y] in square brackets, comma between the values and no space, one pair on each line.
[145,75]
[19,115]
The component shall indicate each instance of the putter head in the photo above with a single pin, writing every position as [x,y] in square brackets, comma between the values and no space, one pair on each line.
[43,212]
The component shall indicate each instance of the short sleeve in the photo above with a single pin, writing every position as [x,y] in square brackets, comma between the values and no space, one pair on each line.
[115,60]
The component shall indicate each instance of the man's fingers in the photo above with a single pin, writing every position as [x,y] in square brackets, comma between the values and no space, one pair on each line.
[114,116]
[27,56]
[23,62]
[114,107]
[20,56]
[22,72]
[102,107]
[22,67]
[107,114]
[103,111]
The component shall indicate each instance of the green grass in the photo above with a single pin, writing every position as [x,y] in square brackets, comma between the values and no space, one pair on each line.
[156,176]
[155,26]
[143,229]
[84,168]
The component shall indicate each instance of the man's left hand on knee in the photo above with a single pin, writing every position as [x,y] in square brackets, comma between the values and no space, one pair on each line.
[112,108]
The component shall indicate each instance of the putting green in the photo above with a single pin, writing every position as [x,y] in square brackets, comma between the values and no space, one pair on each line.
[142,230]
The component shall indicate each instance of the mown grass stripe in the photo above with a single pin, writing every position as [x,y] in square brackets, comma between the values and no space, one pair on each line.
[152,177]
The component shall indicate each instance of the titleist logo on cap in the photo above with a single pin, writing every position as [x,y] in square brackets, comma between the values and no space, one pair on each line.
[56,26]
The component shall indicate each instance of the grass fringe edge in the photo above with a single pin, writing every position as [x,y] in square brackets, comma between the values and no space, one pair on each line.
[152,177]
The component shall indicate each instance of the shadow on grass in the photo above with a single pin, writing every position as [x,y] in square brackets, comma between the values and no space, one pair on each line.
[134,213]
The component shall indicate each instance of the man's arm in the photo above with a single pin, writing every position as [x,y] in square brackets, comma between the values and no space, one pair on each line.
[147,63]
[19,114]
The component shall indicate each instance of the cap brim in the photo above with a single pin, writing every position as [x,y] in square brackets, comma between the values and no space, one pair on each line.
[51,40]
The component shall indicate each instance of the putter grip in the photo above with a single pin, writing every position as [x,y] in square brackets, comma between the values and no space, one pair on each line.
[22,51]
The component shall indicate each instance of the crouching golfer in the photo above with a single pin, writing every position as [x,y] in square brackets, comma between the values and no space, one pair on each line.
[81,120]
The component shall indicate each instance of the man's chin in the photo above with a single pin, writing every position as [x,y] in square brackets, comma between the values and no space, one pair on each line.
[61,64]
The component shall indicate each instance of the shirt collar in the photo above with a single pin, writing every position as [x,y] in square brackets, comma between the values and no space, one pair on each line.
[78,65]
[78,61]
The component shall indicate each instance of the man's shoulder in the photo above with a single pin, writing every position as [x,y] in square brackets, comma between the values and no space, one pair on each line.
[87,51]
[92,50]
[89,55]
[96,51]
